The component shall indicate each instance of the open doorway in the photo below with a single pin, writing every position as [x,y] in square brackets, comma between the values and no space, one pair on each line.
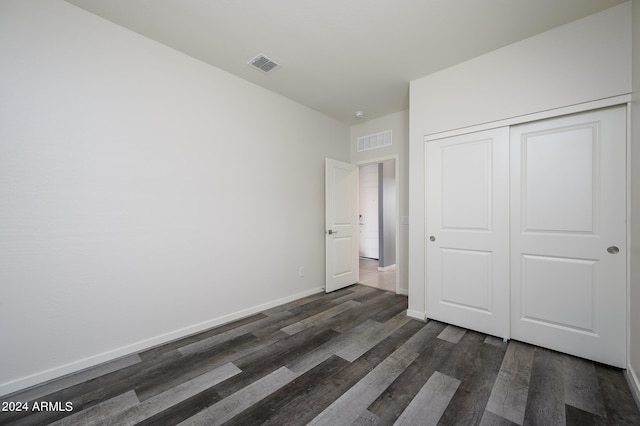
[378,210]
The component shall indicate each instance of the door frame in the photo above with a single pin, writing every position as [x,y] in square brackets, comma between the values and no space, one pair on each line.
[377,160]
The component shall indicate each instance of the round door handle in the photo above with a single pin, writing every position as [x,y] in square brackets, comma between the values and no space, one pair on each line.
[613,250]
[432,238]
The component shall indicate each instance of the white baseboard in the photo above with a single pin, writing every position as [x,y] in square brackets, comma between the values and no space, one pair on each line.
[634,384]
[403,291]
[417,315]
[76,366]
[387,268]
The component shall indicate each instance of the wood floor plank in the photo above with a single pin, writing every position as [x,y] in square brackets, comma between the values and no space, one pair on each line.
[396,305]
[546,390]
[433,353]
[358,291]
[618,400]
[317,319]
[370,307]
[495,341]
[287,349]
[346,409]
[509,395]
[367,418]
[430,403]
[365,342]
[491,419]
[101,413]
[342,321]
[183,410]
[576,416]
[328,349]
[212,341]
[272,357]
[294,398]
[185,368]
[468,404]
[581,386]
[234,404]
[176,395]
[452,334]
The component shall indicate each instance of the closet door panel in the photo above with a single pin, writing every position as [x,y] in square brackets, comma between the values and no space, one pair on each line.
[467,231]
[568,190]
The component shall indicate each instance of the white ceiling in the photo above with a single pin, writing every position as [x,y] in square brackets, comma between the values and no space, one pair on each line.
[341,56]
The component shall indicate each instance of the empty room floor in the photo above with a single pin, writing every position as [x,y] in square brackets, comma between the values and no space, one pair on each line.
[348,357]
[370,276]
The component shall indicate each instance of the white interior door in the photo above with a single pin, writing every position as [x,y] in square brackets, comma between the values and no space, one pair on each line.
[468,231]
[341,225]
[568,234]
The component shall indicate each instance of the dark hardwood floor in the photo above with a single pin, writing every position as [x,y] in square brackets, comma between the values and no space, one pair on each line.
[349,357]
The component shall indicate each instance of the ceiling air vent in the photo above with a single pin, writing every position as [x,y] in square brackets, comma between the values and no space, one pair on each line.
[263,63]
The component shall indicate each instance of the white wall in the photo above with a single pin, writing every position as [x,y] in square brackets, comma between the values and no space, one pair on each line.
[634,358]
[144,195]
[399,124]
[586,60]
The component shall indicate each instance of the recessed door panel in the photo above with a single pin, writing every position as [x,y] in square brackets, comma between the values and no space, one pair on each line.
[342,256]
[468,287]
[570,282]
[343,194]
[466,185]
[560,189]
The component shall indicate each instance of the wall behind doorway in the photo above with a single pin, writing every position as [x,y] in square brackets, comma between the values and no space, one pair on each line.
[377,214]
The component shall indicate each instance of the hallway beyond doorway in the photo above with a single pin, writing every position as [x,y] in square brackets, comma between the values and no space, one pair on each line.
[370,276]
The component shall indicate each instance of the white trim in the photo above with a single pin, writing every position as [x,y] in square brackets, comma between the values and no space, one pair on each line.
[403,291]
[421,316]
[74,367]
[556,112]
[634,384]
[628,259]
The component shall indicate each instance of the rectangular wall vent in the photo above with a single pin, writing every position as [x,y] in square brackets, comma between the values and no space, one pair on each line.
[378,140]
[263,63]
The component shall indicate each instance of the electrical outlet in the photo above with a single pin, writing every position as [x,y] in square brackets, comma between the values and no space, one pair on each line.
[301,271]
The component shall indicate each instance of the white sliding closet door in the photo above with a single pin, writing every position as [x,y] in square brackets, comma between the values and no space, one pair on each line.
[468,231]
[568,234]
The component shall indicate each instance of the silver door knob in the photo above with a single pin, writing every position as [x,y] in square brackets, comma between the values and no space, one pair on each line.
[331,232]
[432,238]
[613,250]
